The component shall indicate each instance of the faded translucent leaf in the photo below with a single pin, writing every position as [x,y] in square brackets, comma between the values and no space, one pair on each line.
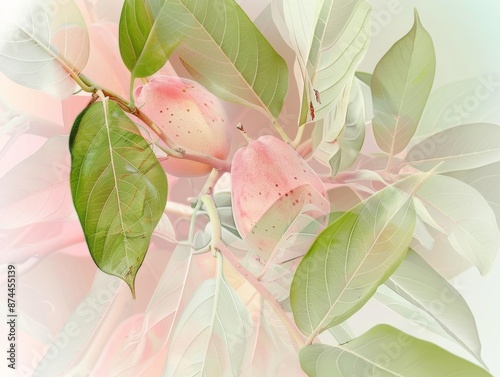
[37,189]
[385,351]
[418,283]
[89,326]
[330,38]
[353,256]
[466,218]
[459,148]
[119,188]
[400,86]
[41,42]
[210,338]
[154,329]
[352,137]
[486,180]
[407,310]
[165,230]
[224,51]
[472,100]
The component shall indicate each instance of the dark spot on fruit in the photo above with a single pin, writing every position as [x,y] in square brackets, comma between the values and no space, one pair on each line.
[161,111]
[184,90]
[295,177]
[205,104]
[171,115]
[169,121]
[260,193]
[188,110]
[276,185]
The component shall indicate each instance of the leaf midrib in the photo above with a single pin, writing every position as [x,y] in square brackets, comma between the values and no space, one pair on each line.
[332,305]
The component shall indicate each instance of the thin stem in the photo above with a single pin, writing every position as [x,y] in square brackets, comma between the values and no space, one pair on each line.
[298,138]
[248,139]
[282,132]
[173,150]
[214,221]
[305,148]
[131,93]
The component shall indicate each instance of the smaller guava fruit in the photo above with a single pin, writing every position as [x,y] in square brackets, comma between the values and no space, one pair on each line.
[190,116]
[271,185]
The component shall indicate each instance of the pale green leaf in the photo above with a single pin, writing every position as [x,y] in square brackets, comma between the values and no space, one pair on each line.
[365,77]
[486,180]
[352,136]
[418,283]
[337,141]
[407,310]
[119,188]
[463,147]
[400,86]
[145,44]
[471,100]
[41,42]
[385,352]
[224,51]
[353,256]
[330,38]
[211,338]
[466,218]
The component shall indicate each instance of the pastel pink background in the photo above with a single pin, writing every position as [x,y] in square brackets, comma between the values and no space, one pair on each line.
[40,234]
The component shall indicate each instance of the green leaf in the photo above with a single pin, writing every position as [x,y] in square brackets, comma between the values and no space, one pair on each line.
[353,256]
[365,77]
[466,217]
[119,188]
[41,42]
[459,148]
[212,335]
[225,52]
[400,86]
[385,352]
[145,44]
[418,283]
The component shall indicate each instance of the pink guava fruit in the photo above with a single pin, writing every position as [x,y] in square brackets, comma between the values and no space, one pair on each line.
[271,185]
[191,116]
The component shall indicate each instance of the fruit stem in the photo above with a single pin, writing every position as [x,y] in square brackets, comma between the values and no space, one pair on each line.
[298,138]
[282,132]
[239,126]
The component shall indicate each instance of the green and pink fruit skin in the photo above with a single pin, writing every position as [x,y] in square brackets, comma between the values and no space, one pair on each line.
[271,185]
[192,117]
